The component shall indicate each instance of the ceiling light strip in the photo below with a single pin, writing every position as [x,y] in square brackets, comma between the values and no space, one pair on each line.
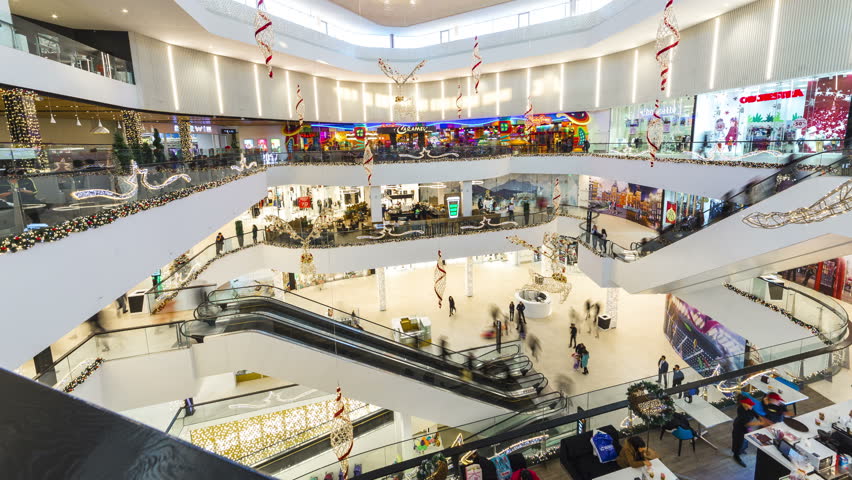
[635,75]
[339,105]
[714,53]
[218,84]
[443,97]
[364,100]
[469,100]
[562,86]
[671,79]
[390,102]
[289,98]
[316,99]
[773,39]
[497,95]
[172,77]
[417,102]
[598,84]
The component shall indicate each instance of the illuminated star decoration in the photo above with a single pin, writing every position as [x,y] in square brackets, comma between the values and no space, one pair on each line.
[835,202]
[129,180]
[385,231]
[476,69]
[368,164]
[264,34]
[440,279]
[668,38]
[425,152]
[242,166]
[300,106]
[486,222]
[458,102]
[63,165]
[342,435]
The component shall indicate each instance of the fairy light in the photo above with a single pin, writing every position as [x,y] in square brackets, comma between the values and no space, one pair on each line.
[218,83]
[172,77]
[714,54]
[24,128]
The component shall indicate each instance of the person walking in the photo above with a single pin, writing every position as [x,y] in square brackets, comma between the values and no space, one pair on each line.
[745,419]
[511,311]
[498,333]
[663,371]
[511,210]
[526,212]
[481,206]
[220,243]
[603,240]
[573,341]
[584,360]
[595,236]
[534,345]
[677,379]
[443,344]
[452,306]
[254,234]
[521,309]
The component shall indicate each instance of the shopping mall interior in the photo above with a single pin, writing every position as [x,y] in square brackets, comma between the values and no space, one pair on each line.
[426,240]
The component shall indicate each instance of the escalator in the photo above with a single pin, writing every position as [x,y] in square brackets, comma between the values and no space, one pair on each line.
[503,378]
[739,237]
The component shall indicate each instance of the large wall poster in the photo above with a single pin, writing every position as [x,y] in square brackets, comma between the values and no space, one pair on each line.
[702,342]
[636,203]
[831,277]
[536,189]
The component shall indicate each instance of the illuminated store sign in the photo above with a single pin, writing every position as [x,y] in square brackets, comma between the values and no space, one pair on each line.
[403,129]
[766,97]
[453,206]
[197,128]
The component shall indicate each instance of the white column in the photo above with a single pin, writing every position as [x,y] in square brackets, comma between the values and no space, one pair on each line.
[467,197]
[612,305]
[517,255]
[402,429]
[376,204]
[380,287]
[583,191]
[6,33]
[468,276]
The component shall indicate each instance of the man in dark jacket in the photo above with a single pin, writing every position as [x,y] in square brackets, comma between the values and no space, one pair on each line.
[663,371]
[677,379]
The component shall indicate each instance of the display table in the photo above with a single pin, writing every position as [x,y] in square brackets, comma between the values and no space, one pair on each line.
[633,473]
[704,413]
[537,303]
[771,464]
[412,331]
[788,393]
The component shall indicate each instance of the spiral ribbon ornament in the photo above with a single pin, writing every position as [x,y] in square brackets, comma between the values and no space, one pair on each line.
[440,279]
[458,102]
[368,163]
[300,106]
[342,435]
[557,194]
[668,38]
[264,35]
[529,125]
[476,70]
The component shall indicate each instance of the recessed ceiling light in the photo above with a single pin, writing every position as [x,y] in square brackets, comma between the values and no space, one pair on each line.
[322,62]
[283,44]
[123,10]
[54,16]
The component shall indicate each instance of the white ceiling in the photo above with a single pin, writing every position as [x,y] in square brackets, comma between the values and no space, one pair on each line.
[404,13]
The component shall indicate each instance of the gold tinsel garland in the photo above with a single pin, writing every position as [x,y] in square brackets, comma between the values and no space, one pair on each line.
[132,127]
[185,133]
[21,117]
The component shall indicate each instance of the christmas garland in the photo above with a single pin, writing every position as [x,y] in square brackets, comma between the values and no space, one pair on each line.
[86,373]
[29,239]
[754,298]
[648,401]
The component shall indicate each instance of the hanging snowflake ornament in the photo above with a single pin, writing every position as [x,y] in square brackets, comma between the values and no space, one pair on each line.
[264,34]
[404,108]
[368,164]
[668,38]
[300,106]
[476,69]
[440,279]
[342,436]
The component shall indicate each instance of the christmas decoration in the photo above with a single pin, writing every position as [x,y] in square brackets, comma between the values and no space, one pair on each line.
[403,106]
[557,196]
[342,436]
[425,152]
[264,34]
[486,222]
[557,282]
[835,202]
[476,69]
[22,121]
[321,224]
[648,401]
[243,166]
[28,239]
[529,124]
[434,468]
[131,180]
[83,376]
[458,102]
[63,165]
[754,298]
[668,38]
[368,164]
[132,128]
[385,231]
[184,132]
[440,279]
[300,107]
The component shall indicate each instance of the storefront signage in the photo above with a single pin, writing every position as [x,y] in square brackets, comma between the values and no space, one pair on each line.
[197,128]
[541,120]
[304,202]
[403,129]
[453,206]
[360,132]
[664,110]
[800,122]
[229,131]
[766,97]
[505,126]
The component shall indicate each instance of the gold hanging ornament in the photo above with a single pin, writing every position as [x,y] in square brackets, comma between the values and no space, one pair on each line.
[184,132]
[440,279]
[264,34]
[404,107]
[342,435]
[306,262]
[668,38]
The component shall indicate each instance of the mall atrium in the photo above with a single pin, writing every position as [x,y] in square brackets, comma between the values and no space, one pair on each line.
[426,239]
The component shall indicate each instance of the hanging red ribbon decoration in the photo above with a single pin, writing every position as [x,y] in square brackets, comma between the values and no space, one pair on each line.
[264,34]
[458,102]
[557,195]
[529,124]
[476,70]
[342,434]
[300,106]
[668,38]
[440,279]
[368,164]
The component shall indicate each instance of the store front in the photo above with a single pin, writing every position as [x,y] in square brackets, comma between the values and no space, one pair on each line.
[206,139]
[629,125]
[796,116]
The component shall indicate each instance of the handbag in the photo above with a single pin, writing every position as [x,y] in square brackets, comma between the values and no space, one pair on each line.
[504,467]
[602,447]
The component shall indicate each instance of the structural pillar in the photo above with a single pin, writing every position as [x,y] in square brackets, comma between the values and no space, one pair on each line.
[402,428]
[612,306]
[467,198]
[468,276]
[380,287]
[376,204]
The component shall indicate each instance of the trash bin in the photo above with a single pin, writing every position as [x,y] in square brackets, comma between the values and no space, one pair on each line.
[604,321]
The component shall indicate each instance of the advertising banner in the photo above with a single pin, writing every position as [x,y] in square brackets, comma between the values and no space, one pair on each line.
[636,203]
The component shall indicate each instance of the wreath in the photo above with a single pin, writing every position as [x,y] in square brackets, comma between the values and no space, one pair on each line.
[433,469]
[648,401]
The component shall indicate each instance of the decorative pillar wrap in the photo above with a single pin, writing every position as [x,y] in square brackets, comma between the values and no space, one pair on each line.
[380,287]
[264,34]
[185,139]
[557,195]
[23,123]
[459,102]
[132,127]
[468,276]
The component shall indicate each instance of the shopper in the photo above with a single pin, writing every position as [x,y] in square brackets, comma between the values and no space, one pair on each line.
[521,309]
[573,341]
[635,454]
[254,234]
[480,205]
[452,306]
[677,379]
[774,407]
[511,311]
[534,345]
[522,330]
[443,348]
[662,371]
[498,333]
[586,145]
[470,360]
[584,360]
[511,210]
[745,419]
[220,243]
[595,236]
[526,212]
[603,241]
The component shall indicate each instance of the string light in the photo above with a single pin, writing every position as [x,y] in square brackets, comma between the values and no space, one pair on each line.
[23,123]
[184,131]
